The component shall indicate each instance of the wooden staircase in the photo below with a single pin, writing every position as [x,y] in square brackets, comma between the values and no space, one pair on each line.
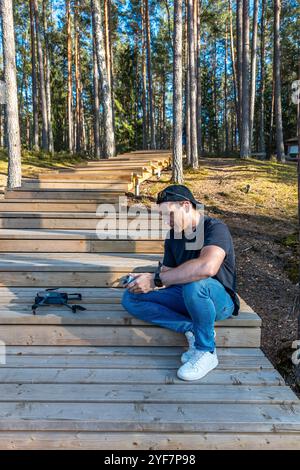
[101,379]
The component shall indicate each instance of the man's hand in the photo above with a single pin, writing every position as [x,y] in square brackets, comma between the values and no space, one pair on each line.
[142,283]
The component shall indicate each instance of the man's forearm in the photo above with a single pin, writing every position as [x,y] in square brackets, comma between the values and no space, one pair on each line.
[190,271]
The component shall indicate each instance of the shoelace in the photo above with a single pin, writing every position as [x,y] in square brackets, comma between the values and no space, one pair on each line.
[194,359]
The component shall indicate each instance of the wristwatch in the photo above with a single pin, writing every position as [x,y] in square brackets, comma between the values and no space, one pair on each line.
[157,280]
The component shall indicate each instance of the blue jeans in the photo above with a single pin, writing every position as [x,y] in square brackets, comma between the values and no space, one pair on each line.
[184,307]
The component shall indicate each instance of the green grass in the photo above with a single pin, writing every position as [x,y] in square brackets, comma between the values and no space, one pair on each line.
[252,186]
[34,162]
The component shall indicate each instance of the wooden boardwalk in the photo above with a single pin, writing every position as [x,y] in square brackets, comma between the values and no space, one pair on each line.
[101,379]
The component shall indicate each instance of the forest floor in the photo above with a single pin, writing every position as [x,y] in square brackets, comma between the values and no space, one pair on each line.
[258,201]
[34,162]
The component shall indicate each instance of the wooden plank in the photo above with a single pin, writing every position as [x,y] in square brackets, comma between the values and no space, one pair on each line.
[96,314]
[80,246]
[147,441]
[120,393]
[90,175]
[79,222]
[121,351]
[125,215]
[149,417]
[99,195]
[136,376]
[95,295]
[119,336]
[129,362]
[90,295]
[122,234]
[54,279]
[14,205]
[86,262]
[78,185]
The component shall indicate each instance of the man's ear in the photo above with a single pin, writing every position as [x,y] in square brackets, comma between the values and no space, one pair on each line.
[187,206]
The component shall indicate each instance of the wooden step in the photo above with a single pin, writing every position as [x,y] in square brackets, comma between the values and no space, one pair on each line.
[108,441]
[95,314]
[150,417]
[88,175]
[128,397]
[57,194]
[76,185]
[53,205]
[83,244]
[105,322]
[84,270]
[70,221]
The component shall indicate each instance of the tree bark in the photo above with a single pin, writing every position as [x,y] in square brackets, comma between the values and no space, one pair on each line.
[245,147]
[70,78]
[226,94]
[262,144]
[78,109]
[253,69]
[97,149]
[193,85]
[109,136]
[43,97]
[199,97]
[12,112]
[187,91]
[239,63]
[277,83]
[214,66]
[144,80]
[107,40]
[35,112]
[233,62]
[48,80]
[177,174]
[149,72]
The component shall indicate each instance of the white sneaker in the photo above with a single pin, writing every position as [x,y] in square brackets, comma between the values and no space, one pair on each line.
[198,366]
[186,356]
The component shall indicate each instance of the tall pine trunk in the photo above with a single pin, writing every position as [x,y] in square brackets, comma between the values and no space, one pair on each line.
[193,84]
[78,109]
[226,94]
[70,78]
[34,91]
[245,147]
[233,63]
[199,97]
[187,91]
[253,69]
[177,94]
[144,79]
[97,150]
[109,136]
[261,140]
[239,63]
[12,112]
[48,79]
[149,73]
[277,83]
[42,84]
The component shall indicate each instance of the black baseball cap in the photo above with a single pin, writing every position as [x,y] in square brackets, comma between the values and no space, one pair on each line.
[176,193]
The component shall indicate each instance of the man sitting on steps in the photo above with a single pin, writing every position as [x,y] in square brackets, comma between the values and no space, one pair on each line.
[199,279]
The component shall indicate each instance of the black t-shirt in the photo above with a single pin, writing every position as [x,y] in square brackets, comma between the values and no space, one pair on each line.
[216,233]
